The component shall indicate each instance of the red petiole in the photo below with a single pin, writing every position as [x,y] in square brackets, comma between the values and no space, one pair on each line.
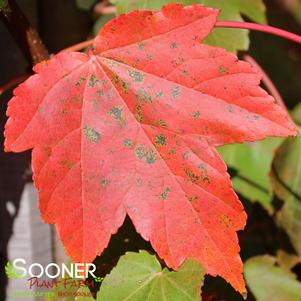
[262,28]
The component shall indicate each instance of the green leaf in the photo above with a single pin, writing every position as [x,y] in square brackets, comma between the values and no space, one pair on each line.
[84,294]
[296,113]
[85,4]
[286,260]
[252,161]
[231,39]
[124,6]
[139,277]
[293,7]
[101,21]
[289,219]
[234,39]
[297,12]
[269,282]
[3,4]
[4,8]
[286,179]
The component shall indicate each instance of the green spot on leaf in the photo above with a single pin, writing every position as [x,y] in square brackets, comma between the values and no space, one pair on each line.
[222,70]
[93,81]
[174,45]
[124,87]
[144,97]
[78,83]
[91,134]
[193,198]
[160,140]
[159,94]
[195,115]
[172,151]
[141,46]
[146,154]
[139,114]
[192,176]
[185,155]
[115,79]
[164,194]
[162,123]
[116,112]
[136,75]
[175,92]
[128,143]
[104,182]
[229,108]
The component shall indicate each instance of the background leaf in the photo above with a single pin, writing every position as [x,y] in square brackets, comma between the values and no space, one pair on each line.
[296,113]
[101,21]
[2,3]
[3,6]
[233,39]
[270,282]
[286,260]
[252,163]
[286,178]
[85,4]
[124,6]
[139,277]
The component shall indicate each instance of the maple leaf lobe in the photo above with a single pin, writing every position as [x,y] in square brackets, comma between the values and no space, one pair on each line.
[132,130]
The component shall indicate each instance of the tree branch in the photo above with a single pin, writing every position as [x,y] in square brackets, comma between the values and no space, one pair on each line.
[26,36]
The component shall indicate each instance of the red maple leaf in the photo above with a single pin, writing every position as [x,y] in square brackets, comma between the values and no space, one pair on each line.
[132,128]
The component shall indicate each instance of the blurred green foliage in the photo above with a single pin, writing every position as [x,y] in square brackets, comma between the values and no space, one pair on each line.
[268,281]
[85,4]
[252,162]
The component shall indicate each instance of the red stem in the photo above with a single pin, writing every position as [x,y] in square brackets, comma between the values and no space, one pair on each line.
[262,28]
[79,46]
